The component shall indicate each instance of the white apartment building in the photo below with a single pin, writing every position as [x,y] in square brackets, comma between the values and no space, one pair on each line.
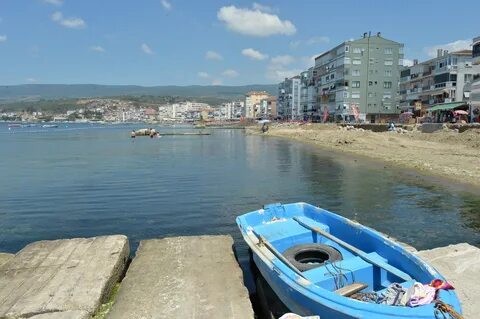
[437,81]
[289,99]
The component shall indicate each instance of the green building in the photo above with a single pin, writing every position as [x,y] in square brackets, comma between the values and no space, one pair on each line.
[359,79]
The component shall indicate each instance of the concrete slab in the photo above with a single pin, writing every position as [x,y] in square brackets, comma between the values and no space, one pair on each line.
[460,264]
[4,257]
[70,314]
[58,276]
[183,277]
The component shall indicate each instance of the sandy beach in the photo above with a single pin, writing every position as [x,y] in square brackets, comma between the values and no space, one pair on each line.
[445,153]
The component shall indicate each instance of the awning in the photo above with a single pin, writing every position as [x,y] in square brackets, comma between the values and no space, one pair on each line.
[446,106]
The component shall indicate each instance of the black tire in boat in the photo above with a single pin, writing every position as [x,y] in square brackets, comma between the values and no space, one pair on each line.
[308,256]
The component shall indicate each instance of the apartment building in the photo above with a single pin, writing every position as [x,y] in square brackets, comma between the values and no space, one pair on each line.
[288,100]
[307,95]
[440,80]
[232,110]
[253,102]
[475,87]
[268,108]
[359,79]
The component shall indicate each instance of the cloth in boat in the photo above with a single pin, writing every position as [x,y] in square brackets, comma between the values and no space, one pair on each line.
[393,296]
[419,294]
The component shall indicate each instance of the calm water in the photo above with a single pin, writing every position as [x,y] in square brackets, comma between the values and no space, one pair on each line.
[86,181]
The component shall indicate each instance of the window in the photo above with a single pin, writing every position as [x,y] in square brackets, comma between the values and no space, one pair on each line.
[347,61]
[388,51]
[388,62]
[370,60]
[370,94]
[355,95]
[357,50]
[388,72]
[387,96]
[356,73]
[345,94]
[347,48]
[370,83]
[387,85]
[355,84]
[400,50]
[357,61]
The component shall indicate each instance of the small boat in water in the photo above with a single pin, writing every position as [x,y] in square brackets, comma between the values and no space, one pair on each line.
[320,263]
[49,125]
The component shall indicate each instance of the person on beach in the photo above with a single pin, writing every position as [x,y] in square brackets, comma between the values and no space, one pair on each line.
[133,134]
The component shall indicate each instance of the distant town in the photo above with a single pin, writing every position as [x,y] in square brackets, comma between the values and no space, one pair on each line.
[363,80]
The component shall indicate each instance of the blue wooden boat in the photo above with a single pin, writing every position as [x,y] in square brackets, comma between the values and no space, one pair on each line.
[315,260]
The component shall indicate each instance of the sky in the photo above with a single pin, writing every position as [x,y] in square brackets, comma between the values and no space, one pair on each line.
[209,42]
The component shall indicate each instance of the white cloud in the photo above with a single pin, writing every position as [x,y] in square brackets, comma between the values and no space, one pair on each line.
[203,75]
[97,48]
[72,22]
[216,82]
[146,49]
[407,62]
[3,38]
[31,80]
[254,54]
[451,47]
[254,22]
[280,67]
[283,59]
[278,72]
[261,7]
[212,55]
[230,73]
[166,5]
[54,2]
[318,40]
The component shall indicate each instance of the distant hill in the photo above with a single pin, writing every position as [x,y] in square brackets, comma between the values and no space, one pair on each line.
[32,92]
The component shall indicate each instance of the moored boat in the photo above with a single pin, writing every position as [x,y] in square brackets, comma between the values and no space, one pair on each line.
[320,263]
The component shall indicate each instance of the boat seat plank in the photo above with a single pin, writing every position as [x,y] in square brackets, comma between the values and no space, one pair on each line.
[351,289]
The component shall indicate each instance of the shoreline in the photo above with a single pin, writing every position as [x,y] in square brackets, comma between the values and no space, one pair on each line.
[444,156]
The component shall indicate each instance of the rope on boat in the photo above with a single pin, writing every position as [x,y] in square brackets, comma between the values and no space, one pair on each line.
[445,311]
[339,277]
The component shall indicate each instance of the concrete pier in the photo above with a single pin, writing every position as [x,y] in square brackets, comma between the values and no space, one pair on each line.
[460,264]
[61,279]
[178,277]
[5,257]
[183,277]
